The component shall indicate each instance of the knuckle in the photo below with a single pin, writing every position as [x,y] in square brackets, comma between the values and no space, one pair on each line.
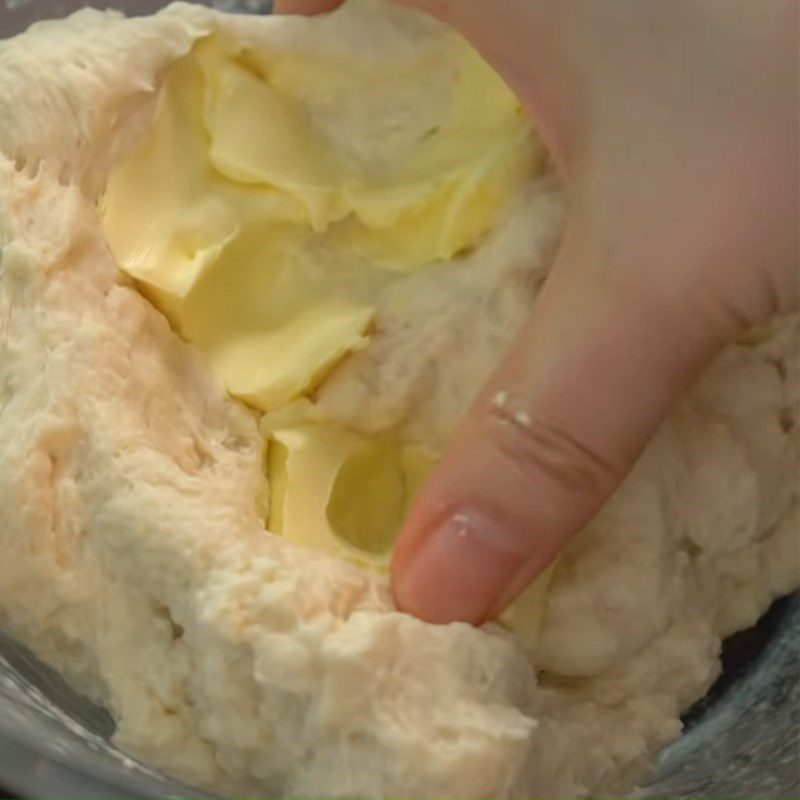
[534,449]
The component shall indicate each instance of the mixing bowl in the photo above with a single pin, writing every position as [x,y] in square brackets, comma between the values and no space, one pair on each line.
[742,740]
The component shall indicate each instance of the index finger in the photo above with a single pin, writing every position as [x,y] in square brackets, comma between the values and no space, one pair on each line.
[305,6]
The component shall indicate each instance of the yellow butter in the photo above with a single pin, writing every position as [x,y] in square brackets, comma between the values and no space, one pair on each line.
[347,494]
[246,220]
[270,368]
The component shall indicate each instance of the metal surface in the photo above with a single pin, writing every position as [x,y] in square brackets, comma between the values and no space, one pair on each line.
[743,740]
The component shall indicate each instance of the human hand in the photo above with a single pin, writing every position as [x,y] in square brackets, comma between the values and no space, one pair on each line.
[675,129]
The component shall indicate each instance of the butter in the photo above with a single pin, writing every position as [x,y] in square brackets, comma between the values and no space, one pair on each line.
[340,490]
[266,211]
[248,222]
[270,368]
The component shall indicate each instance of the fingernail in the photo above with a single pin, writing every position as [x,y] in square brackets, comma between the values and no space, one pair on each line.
[460,571]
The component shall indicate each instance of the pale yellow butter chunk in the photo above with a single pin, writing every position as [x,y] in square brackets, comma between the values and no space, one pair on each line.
[425,178]
[346,493]
[269,369]
[268,186]
[272,320]
[167,213]
[259,136]
[339,490]
[448,219]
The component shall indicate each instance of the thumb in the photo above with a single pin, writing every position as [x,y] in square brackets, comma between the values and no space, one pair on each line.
[584,387]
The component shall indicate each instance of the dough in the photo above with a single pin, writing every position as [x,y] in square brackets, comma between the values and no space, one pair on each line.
[133,499]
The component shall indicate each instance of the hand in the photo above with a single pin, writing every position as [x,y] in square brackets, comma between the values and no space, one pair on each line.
[675,128]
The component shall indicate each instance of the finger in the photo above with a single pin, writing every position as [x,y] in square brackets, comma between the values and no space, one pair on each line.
[305,6]
[321,6]
[550,438]
[439,8]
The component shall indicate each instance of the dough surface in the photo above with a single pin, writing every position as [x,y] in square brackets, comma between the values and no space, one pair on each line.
[133,499]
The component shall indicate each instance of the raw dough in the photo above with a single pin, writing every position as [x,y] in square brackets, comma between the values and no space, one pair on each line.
[132,498]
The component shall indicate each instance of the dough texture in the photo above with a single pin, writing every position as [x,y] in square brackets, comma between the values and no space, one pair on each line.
[133,551]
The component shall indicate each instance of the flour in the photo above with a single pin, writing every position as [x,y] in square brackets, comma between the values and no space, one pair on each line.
[135,558]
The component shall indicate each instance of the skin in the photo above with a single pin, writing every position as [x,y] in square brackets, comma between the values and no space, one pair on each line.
[674,126]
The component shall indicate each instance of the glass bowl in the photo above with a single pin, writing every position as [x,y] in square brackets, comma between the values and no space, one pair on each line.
[741,740]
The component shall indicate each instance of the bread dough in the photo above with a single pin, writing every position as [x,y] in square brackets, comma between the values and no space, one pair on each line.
[135,558]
